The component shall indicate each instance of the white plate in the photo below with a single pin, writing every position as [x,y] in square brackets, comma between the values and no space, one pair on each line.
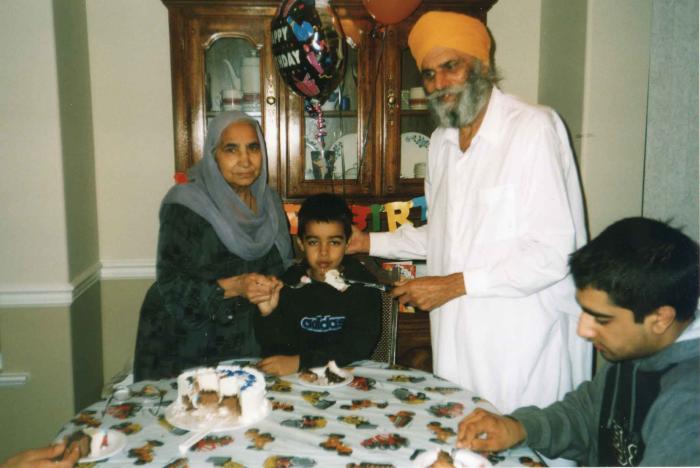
[117,441]
[191,422]
[347,145]
[414,149]
[319,371]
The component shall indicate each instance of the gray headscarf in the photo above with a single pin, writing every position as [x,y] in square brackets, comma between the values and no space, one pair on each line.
[245,233]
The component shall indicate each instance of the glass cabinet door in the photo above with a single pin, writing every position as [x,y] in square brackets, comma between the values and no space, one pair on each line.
[232,77]
[416,123]
[337,155]
[342,160]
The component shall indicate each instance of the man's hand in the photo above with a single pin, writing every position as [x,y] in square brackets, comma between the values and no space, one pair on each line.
[358,242]
[429,292]
[482,431]
[279,365]
[44,457]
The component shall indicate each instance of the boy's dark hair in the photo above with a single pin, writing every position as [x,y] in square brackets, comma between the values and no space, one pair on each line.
[642,264]
[325,208]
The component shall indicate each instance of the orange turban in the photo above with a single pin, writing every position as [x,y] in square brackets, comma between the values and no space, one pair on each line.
[450,30]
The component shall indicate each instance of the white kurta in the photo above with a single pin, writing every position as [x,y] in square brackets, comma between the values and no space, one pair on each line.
[506,213]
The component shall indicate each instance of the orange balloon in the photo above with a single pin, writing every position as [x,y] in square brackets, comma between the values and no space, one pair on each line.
[390,11]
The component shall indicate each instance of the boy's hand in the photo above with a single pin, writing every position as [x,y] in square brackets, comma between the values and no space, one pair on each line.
[279,365]
[482,431]
[266,307]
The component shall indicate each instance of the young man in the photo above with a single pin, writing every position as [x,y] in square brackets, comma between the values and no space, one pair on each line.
[310,325]
[637,284]
[504,213]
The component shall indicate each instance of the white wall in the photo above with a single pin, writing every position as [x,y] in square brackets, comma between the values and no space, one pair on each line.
[32,207]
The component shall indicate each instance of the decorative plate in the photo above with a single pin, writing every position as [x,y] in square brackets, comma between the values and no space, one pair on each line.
[414,149]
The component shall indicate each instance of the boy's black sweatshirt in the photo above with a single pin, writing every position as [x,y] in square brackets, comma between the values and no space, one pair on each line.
[320,323]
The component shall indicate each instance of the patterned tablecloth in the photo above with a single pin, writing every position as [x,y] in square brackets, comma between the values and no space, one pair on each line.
[387,416]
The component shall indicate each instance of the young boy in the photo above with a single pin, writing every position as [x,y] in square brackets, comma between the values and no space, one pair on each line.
[637,285]
[308,326]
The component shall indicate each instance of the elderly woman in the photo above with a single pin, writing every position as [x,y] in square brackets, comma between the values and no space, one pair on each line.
[223,240]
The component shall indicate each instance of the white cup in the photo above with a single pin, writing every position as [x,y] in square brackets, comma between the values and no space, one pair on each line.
[231,99]
[419,170]
[417,99]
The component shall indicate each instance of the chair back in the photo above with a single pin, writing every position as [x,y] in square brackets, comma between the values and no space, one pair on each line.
[385,351]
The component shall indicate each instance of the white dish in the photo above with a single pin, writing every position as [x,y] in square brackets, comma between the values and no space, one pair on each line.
[345,145]
[414,149]
[191,422]
[320,371]
[117,441]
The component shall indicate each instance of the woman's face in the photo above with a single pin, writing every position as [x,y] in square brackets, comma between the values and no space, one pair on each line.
[238,155]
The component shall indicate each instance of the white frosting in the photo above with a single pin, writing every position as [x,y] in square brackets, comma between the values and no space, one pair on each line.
[334,279]
[246,383]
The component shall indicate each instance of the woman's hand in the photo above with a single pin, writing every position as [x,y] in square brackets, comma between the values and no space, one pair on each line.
[255,287]
[266,307]
[279,365]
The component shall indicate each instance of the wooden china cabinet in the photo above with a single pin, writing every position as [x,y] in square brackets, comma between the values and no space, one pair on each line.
[221,58]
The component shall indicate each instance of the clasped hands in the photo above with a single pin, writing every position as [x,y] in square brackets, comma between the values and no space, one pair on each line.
[262,290]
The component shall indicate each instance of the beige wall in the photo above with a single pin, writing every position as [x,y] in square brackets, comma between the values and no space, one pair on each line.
[37,341]
[121,302]
[33,217]
[515,26]
[133,123]
[614,109]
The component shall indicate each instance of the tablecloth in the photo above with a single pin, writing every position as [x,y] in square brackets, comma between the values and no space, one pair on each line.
[385,417]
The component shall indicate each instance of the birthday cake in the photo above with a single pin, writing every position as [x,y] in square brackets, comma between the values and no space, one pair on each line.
[219,397]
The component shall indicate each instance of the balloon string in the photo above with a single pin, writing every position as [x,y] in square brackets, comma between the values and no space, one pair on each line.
[320,124]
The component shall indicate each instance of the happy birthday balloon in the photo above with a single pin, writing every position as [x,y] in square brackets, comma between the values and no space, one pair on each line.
[308,47]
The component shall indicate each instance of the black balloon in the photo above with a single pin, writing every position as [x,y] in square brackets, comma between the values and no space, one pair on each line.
[308,47]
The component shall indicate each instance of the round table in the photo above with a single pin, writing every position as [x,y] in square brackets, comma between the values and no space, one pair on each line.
[386,416]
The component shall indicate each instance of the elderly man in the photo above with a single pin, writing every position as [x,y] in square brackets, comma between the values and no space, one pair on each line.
[505,211]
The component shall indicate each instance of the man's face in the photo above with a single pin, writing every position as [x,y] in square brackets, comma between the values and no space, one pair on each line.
[324,247]
[456,86]
[612,329]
